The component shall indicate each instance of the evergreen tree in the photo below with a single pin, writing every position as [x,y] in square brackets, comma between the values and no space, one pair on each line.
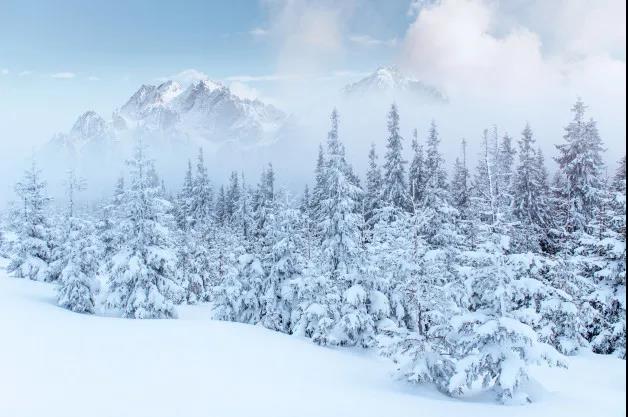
[581,163]
[320,185]
[32,252]
[202,194]
[185,201]
[142,277]
[460,184]
[77,281]
[232,197]
[220,210]
[372,198]
[286,265]
[505,174]
[394,186]
[416,174]
[530,184]
[484,197]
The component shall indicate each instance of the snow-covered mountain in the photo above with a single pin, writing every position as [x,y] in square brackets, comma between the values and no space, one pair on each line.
[204,112]
[391,81]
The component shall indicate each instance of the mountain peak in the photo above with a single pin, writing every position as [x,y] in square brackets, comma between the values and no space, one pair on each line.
[391,80]
[88,125]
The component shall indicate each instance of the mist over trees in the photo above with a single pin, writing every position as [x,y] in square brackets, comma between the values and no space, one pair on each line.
[462,280]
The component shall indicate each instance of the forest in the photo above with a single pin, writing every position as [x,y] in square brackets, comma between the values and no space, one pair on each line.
[462,276]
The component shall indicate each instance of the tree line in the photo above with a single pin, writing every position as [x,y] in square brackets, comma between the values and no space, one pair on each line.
[463,281]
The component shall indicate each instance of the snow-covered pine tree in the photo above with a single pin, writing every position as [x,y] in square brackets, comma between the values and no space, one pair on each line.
[460,184]
[373,195]
[394,185]
[220,210]
[416,173]
[580,161]
[484,346]
[232,197]
[484,200]
[530,201]
[142,282]
[106,222]
[505,161]
[202,194]
[183,208]
[286,266]
[240,296]
[435,212]
[32,251]
[340,225]
[77,280]
[601,257]
[340,222]
[531,206]
[319,189]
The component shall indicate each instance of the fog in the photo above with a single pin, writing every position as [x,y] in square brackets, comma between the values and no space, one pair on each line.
[498,64]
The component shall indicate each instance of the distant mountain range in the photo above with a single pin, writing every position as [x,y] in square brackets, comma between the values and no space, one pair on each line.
[390,81]
[206,113]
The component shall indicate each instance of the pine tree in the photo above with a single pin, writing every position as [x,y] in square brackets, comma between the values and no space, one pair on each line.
[286,265]
[232,197]
[142,277]
[77,283]
[320,186]
[581,163]
[220,210]
[394,186]
[202,194]
[416,173]
[32,253]
[436,214]
[340,249]
[530,199]
[484,198]
[340,223]
[184,201]
[505,175]
[460,184]
[372,198]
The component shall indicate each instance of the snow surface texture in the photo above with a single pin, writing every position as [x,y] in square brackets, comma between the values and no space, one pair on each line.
[57,363]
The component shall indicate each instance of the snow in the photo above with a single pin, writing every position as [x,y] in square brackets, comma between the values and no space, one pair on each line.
[57,363]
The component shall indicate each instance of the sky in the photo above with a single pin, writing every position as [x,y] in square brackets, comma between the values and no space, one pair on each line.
[502,62]
[60,58]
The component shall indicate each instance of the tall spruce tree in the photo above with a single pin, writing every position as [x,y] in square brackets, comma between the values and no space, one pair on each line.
[32,253]
[580,161]
[394,186]
[142,273]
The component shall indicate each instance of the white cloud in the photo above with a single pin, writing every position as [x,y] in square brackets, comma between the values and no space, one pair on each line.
[481,47]
[186,77]
[506,62]
[243,90]
[256,78]
[258,32]
[4,71]
[369,41]
[308,34]
[63,75]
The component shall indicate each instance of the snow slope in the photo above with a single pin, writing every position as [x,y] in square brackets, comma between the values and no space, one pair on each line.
[57,363]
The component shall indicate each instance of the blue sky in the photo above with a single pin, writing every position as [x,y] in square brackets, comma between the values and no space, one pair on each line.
[72,55]
[142,38]
[509,59]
